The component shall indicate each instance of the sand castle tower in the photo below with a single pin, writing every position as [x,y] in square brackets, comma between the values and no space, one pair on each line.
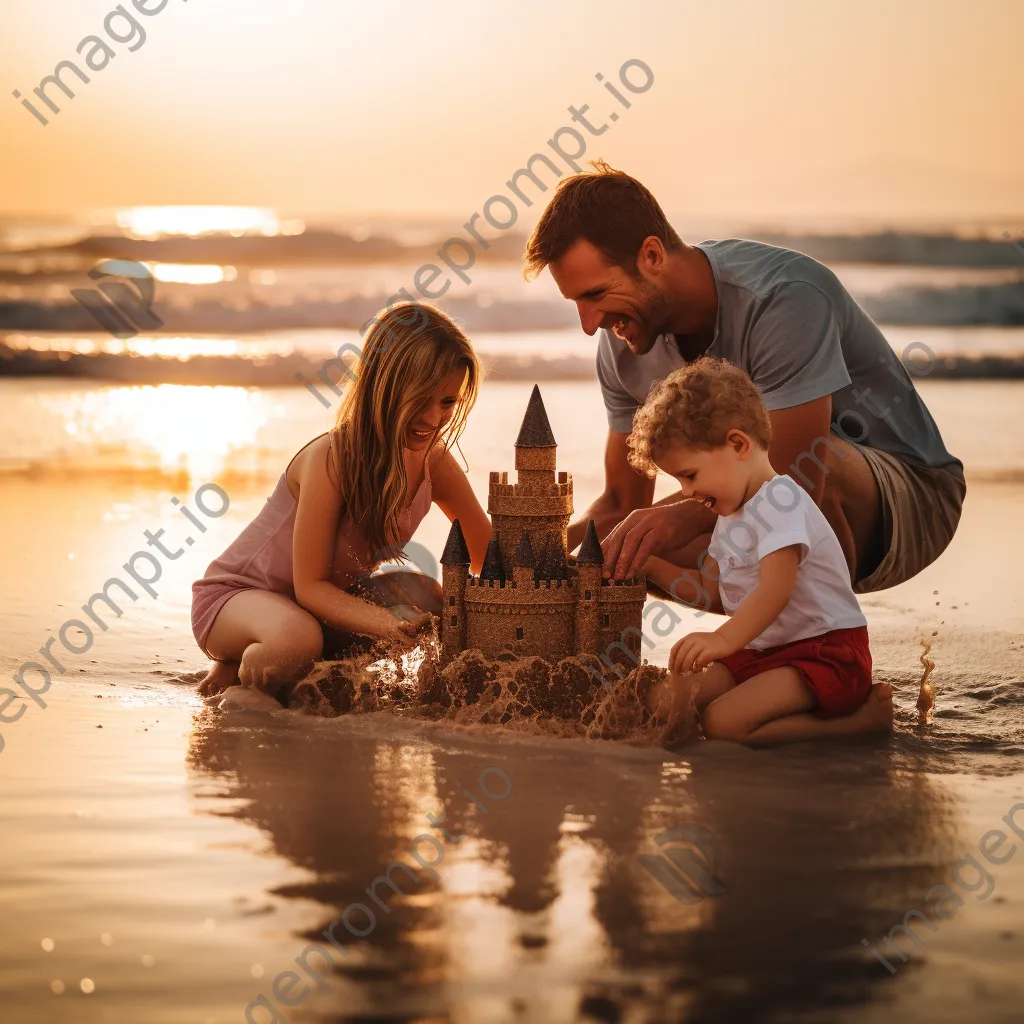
[527,598]
[538,502]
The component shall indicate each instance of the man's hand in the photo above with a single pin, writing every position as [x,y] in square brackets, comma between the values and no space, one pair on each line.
[647,531]
[697,650]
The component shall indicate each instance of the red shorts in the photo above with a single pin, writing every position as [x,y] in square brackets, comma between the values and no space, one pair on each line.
[836,666]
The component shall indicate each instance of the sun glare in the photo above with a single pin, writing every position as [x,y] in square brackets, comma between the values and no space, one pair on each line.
[184,273]
[153,221]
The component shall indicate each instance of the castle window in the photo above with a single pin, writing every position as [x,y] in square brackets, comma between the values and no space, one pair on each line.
[586,595]
[605,620]
[519,632]
[455,620]
[451,600]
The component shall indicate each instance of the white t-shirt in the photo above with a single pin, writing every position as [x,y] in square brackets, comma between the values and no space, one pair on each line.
[782,513]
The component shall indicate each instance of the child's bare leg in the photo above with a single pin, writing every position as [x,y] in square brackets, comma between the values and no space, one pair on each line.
[680,697]
[274,641]
[772,708]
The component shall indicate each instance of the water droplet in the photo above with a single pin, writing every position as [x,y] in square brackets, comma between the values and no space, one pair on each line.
[107,940]
[147,960]
[256,970]
[57,987]
[48,945]
[88,986]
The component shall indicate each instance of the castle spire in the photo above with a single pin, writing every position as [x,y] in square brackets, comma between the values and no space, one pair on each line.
[494,566]
[552,561]
[524,557]
[536,430]
[590,549]
[455,550]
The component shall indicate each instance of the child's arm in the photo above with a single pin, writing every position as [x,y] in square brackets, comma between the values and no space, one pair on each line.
[317,518]
[777,572]
[456,499]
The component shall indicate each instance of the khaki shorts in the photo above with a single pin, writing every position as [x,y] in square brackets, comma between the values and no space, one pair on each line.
[921,508]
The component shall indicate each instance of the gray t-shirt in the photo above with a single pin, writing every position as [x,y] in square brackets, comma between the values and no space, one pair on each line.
[800,335]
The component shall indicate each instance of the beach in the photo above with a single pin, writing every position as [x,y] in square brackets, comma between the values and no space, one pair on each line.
[179,859]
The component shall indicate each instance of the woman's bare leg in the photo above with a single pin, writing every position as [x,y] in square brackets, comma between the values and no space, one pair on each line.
[273,640]
[773,708]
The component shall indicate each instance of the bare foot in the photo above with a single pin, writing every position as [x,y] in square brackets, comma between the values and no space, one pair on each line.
[236,697]
[219,676]
[875,714]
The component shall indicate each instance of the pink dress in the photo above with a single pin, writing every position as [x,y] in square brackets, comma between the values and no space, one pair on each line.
[260,558]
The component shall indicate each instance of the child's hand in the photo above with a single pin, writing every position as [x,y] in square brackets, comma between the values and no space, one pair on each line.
[697,650]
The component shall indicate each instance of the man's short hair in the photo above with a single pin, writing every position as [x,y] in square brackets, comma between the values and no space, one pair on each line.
[608,208]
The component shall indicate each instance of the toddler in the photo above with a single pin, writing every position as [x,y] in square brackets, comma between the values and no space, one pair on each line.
[792,662]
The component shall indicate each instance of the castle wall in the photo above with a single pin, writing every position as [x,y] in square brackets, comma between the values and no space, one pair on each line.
[544,614]
[620,608]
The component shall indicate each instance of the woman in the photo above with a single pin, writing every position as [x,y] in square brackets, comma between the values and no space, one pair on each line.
[348,500]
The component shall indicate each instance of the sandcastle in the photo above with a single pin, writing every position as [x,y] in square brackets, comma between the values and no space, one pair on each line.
[529,598]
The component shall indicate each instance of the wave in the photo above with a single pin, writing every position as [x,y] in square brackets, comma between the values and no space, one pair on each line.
[276,370]
[997,305]
[245,315]
[331,244]
[901,248]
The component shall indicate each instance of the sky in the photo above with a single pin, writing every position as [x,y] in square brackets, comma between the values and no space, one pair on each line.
[890,111]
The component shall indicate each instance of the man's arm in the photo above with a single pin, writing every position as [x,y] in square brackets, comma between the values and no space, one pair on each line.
[624,490]
[798,436]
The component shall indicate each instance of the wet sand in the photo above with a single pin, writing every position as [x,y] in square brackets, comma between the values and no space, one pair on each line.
[219,847]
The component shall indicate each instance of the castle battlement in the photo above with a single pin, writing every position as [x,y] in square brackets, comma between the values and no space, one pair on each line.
[563,489]
[527,599]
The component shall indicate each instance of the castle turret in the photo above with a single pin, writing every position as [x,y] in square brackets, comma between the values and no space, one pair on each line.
[589,566]
[535,445]
[454,576]
[494,564]
[523,563]
[541,499]
[551,565]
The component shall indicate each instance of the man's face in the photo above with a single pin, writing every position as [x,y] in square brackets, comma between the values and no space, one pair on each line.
[632,308]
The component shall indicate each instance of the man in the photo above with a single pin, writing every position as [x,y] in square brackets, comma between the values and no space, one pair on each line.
[847,422]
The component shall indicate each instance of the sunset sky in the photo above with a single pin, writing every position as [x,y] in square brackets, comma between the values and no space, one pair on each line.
[890,110]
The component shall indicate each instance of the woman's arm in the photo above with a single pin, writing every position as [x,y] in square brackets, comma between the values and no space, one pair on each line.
[317,519]
[456,499]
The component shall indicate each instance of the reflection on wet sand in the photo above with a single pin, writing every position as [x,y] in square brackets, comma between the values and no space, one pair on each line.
[541,911]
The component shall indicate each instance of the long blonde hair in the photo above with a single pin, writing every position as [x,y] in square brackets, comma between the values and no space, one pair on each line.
[404,361]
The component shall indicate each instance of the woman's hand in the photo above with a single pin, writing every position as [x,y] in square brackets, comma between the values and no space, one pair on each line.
[423,623]
[697,650]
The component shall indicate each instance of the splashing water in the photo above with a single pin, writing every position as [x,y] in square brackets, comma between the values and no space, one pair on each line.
[926,697]
[576,696]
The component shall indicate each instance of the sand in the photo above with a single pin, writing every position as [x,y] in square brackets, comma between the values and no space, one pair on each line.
[213,849]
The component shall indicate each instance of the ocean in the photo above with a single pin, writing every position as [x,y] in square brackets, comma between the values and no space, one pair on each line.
[164,861]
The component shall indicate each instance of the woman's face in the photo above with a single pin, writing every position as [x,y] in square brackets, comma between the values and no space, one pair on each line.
[436,414]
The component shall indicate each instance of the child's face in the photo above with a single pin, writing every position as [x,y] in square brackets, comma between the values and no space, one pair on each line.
[432,419]
[717,477]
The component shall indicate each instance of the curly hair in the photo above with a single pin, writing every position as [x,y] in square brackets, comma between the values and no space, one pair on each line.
[695,407]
